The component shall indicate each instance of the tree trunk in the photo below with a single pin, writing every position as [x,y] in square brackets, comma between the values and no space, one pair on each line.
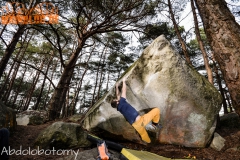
[201,46]
[21,53]
[18,88]
[97,79]
[10,49]
[59,95]
[43,84]
[221,90]
[20,106]
[229,103]
[108,80]
[4,27]
[79,87]
[32,88]
[49,87]
[6,82]
[13,77]
[184,48]
[101,78]
[65,106]
[223,34]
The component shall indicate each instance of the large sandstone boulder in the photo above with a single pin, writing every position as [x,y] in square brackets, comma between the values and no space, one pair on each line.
[7,117]
[61,135]
[161,78]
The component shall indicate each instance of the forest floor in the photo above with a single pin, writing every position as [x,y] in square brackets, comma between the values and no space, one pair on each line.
[24,137]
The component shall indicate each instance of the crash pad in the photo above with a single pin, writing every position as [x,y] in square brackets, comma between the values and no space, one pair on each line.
[128,153]
[142,155]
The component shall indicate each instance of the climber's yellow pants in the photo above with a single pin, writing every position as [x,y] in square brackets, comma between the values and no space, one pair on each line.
[139,125]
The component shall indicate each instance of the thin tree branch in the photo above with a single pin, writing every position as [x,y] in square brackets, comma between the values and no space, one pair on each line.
[37,70]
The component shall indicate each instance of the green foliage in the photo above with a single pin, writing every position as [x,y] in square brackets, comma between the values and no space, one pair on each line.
[116,58]
[107,7]
[21,86]
[152,31]
[103,15]
[194,46]
[117,42]
[37,92]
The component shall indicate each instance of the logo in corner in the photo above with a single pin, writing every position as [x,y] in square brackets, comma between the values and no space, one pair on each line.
[19,13]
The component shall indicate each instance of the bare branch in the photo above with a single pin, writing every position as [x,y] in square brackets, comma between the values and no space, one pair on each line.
[37,70]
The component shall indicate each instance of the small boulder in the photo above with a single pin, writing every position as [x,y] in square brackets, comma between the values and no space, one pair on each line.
[75,118]
[61,135]
[218,142]
[31,117]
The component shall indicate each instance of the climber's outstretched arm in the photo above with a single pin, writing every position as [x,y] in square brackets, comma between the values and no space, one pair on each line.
[124,88]
[117,92]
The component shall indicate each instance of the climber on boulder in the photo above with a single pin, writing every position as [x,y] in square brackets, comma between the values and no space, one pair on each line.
[132,116]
